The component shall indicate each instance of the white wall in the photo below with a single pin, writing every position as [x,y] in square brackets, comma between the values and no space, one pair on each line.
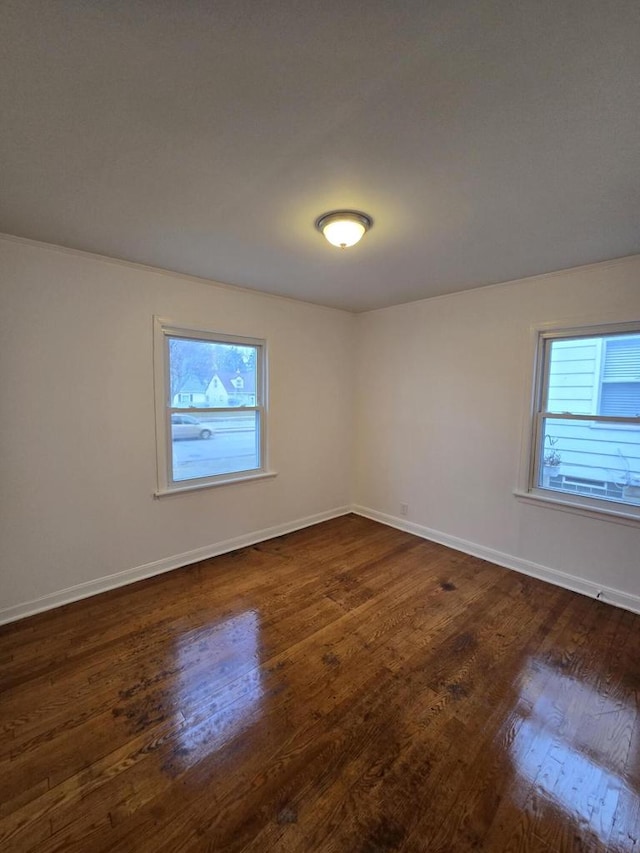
[77,457]
[439,406]
[441,399]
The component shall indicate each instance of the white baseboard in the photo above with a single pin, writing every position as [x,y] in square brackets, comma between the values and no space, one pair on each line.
[604,593]
[85,590]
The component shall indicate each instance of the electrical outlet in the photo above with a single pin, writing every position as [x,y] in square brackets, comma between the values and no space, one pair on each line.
[404,509]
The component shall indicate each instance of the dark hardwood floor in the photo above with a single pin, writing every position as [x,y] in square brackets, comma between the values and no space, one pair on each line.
[345,688]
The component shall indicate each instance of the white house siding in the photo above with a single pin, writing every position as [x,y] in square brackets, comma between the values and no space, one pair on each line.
[186,399]
[217,394]
[574,367]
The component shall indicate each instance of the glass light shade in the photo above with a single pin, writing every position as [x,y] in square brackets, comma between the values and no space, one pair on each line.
[343,232]
[343,228]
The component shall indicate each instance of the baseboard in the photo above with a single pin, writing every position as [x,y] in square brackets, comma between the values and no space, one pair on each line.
[85,590]
[94,587]
[604,593]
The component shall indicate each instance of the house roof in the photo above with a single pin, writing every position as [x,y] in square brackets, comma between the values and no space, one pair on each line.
[489,140]
[227,378]
[193,385]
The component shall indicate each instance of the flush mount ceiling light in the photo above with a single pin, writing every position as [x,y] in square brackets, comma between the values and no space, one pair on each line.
[344,228]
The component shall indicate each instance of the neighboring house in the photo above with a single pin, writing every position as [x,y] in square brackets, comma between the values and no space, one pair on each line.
[191,393]
[217,394]
[225,389]
[241,387]
[596,376]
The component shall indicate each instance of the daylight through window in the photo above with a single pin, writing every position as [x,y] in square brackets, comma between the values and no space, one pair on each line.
[211,407]
[586,443]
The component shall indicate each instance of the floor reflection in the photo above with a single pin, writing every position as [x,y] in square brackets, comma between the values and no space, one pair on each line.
[572,746]
[219,690]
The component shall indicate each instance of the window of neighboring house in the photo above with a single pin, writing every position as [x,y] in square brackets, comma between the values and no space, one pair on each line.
[222,437]
[585,379]
[620,389]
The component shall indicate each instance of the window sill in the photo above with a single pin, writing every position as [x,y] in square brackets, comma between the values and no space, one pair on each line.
[617,516]
[196,487]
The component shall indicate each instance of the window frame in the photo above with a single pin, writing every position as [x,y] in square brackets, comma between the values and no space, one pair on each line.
[164,330]
[533,450]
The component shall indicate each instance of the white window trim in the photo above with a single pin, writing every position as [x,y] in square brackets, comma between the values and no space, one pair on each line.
[163,329]
[527,489]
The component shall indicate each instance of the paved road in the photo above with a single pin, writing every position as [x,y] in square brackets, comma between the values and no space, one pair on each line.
[222,454]
[227,421]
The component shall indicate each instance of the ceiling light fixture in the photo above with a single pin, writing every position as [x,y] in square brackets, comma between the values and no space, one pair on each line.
[344,228]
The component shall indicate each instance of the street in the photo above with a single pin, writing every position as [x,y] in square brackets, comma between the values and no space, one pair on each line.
[224,453]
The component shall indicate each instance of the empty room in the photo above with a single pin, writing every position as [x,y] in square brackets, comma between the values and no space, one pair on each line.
[320,458]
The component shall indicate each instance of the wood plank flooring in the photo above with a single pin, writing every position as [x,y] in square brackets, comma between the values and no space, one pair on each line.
[348,687]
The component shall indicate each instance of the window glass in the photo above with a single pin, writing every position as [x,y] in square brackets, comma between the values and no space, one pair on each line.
[211,373]
[210,407]
[587,427]
[620,394]
[214,443]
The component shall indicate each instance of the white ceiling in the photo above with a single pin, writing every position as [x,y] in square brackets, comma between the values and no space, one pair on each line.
[488,140]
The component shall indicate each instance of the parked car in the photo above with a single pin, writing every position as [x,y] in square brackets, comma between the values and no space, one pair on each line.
[186,426]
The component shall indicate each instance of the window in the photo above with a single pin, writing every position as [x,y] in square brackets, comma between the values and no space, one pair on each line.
[586,426]
[210,407]
[620,394]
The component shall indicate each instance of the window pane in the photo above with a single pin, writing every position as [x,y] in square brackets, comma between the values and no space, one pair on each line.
[573,376]
[621,399]
[622,359]
[584,371]
[621,377]
[207,374]
[600,461]
[205,444]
